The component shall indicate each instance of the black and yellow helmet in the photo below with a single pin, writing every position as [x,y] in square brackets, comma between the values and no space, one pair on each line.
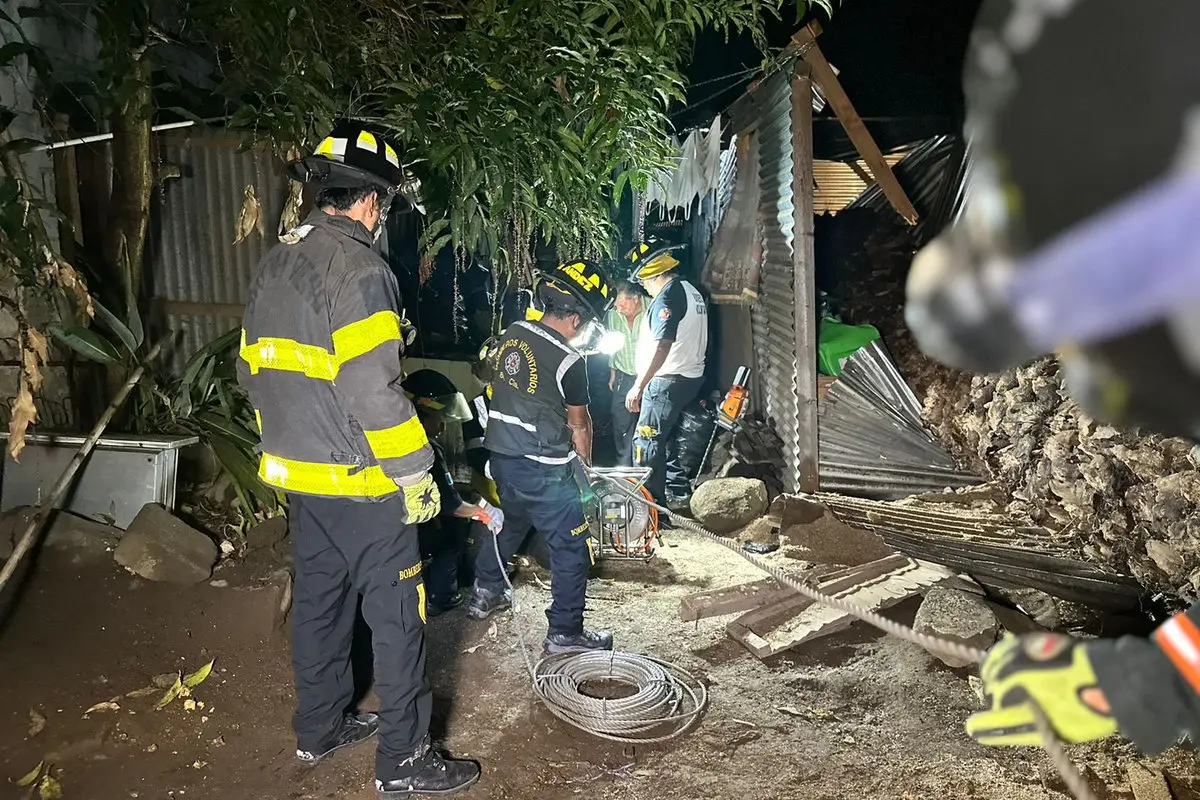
[583,287]
[652,258]
[432,391]
[353,155]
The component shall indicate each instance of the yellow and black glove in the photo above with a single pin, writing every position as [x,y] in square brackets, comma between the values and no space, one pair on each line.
[1051,671]
[422,500]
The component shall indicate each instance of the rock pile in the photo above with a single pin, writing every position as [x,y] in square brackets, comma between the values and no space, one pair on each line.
[1129,500]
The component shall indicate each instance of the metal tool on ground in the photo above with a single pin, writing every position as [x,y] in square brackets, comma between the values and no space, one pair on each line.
[623,527]
[729,413]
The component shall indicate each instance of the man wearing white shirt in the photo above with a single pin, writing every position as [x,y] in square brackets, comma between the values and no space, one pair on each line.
[670,367]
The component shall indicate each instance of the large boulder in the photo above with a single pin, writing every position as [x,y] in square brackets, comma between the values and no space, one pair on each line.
[958,616]
[723,505]
[161,547]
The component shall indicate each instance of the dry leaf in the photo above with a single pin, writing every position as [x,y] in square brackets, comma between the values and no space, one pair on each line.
[38,343]
[791,711]
[108,705]
[37,722]
[199,676]
[24,414]
[31,776]
[144,692]
[473,648]
[250,217]
[172,693]
[49,788]
[290,217]
[29,362]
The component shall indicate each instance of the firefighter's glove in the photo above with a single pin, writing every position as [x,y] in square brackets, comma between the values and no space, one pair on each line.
[491,516]
[1052,671]
[422,500]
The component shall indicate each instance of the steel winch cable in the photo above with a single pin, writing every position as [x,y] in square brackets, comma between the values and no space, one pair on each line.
[1074,781]
[663,699]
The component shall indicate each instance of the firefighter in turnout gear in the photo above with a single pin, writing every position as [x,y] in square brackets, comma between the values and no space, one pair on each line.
[322,339]
[670,367]
[1102,266]
[539,436]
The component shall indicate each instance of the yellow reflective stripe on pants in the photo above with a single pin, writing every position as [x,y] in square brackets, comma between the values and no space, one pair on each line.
[398,440]
[353,340]
[332,480]
[349,342]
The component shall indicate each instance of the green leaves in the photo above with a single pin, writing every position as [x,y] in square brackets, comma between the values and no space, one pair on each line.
[87,343]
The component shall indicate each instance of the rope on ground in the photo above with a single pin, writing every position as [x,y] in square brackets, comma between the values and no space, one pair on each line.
[1074,780]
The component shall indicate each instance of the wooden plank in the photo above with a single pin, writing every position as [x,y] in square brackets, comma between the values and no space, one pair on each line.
[733,600]
[833,582]
[806,43]
[875,594]
[804,281]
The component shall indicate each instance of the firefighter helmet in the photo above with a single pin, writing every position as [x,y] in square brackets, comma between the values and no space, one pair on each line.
[581,287]
[652,258]
[432,391]
[354,155]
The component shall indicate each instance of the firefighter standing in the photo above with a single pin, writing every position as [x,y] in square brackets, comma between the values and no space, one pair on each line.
[539,435]
[1106,276]
[320,359]
[670,368]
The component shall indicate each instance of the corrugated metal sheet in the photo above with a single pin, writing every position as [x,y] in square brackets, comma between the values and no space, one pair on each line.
[775,316]
[933,175]
[193,255]
[873,441]
[989,547]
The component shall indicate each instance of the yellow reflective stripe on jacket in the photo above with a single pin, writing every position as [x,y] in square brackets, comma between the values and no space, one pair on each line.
[353,340]
[333,480]
[398,441]
[271,352]
[349,342]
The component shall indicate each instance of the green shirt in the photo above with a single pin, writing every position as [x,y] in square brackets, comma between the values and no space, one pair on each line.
[625,359]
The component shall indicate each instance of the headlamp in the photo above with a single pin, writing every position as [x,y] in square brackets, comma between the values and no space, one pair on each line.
[594,338]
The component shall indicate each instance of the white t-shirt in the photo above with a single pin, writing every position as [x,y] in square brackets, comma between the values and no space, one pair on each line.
[678,314]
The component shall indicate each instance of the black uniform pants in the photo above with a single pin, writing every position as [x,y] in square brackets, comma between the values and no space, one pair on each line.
[443,541]
[544,496]
[623,420]
[344,549]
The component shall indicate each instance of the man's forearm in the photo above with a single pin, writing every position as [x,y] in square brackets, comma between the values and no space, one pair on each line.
[581,438]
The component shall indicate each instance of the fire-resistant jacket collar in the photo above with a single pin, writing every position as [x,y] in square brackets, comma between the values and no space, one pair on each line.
[346,225]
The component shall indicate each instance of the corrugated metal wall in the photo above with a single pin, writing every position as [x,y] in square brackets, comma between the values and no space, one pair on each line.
[774,312]
[193,256]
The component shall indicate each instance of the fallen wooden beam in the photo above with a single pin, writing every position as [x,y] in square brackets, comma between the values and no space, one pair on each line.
[733,599]
[873,586]
[805,42]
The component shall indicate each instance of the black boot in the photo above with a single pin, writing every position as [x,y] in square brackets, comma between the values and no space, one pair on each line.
[355,728]
[580,642]
[485,602]
[440,605]
[430,774]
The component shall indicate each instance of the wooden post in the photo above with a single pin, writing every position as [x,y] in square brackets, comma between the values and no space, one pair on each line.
[805,43]
[804,281]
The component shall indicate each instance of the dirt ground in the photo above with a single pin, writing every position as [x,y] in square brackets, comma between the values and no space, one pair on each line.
[852,716]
